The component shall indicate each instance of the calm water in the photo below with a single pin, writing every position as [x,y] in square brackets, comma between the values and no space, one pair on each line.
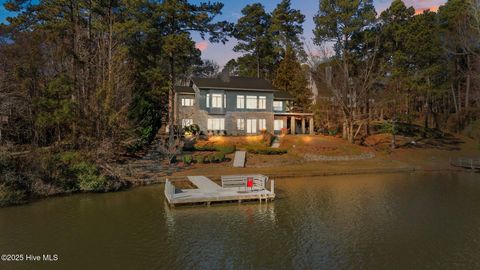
[388,221]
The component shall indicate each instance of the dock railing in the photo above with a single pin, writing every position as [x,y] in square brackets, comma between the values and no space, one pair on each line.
[169,189]
[468,163]
[240,181]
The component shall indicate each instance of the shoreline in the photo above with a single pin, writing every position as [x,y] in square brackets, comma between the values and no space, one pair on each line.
[174,178]
[310,174]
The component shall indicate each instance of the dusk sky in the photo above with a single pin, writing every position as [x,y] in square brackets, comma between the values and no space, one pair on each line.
[232,11]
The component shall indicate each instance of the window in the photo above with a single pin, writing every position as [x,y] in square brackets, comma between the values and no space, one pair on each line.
[240,102]
[251,126]
[278,106]
[187,122]
[208,100]
[216,124]
[277,125]
[262,124]
[240,124]
[262,102]
[251,102]
[187,101]
[217,101]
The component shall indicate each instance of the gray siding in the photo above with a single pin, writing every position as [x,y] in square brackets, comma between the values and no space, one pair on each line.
[199,113]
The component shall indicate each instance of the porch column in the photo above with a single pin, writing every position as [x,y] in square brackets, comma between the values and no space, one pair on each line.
[292,125]
[303,125]
[311,126]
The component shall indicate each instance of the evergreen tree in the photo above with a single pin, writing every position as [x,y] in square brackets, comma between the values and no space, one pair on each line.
[255,41]
[286,28]
[231,67]
[291,78]
[178,19]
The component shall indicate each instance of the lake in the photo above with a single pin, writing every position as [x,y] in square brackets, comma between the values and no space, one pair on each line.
[384,221]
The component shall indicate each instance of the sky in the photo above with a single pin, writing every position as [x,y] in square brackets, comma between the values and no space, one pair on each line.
[221,53]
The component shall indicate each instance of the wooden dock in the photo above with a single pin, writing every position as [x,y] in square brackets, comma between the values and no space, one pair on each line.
[234,189]
[466,163]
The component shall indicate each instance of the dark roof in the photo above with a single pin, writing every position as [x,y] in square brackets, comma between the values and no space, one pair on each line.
[184,89]
[241,83]
[281,95]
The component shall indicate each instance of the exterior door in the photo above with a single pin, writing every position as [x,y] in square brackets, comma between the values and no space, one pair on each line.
[251,126]
[278,125]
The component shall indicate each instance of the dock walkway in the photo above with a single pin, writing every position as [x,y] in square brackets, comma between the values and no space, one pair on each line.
[208,191]
[204,184]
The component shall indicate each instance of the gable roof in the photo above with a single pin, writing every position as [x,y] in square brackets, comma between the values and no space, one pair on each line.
[237,83]
[281,95]
[184,89]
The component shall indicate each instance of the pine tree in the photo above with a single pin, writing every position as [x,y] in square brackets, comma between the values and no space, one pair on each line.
[287,28]
[251,30]
[291,78]
[178,19]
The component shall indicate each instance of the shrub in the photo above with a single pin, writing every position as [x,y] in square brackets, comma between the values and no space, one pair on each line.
[199,159]
[206,159]
[267,138]
[187,159]
[218,157]
[333,132]
[224,148]
[4,162]
[89,178]
[206,147]
[267,151]
[192,129]
[11,196]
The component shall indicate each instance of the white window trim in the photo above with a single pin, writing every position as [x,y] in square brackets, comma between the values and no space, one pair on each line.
[251,99]
[216,124]
[217,101]
[241,124]
[262,124]
[277,108]
[277,127]
[208,100]
[252,128]
[187,102]
[241,102]
[262,102]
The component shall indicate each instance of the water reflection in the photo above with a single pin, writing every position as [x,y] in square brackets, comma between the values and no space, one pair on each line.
[399,221]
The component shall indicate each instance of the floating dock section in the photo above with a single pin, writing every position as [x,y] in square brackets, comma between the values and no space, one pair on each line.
[235,188]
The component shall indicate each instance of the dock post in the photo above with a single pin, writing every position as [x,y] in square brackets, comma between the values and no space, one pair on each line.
[272,186]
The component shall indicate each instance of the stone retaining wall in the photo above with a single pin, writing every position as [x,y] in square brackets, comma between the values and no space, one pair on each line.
[313,157]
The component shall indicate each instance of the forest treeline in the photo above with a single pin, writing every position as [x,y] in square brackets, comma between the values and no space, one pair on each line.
[400,66]
[87,74]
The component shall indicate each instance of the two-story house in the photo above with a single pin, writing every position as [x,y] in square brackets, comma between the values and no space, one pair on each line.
[238,106]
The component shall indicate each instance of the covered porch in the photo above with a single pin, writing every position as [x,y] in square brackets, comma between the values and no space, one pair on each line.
[294,123]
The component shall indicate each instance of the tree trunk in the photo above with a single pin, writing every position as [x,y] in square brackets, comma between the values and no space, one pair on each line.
[454,98]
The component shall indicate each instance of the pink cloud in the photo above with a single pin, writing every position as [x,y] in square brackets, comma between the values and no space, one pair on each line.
[421,10]
[202,45]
